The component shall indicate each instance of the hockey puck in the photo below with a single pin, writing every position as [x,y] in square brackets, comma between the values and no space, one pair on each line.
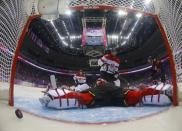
[18,113]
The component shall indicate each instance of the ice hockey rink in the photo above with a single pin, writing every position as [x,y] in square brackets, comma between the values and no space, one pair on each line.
[166,120]
[27,99]
[50,28]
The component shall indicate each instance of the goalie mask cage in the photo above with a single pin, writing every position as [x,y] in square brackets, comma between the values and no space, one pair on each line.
[14,22]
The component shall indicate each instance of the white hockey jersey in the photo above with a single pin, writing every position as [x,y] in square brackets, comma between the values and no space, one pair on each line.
[79,79]
[109,63]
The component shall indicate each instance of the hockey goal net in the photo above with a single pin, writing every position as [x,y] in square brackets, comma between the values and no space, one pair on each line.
[14,21]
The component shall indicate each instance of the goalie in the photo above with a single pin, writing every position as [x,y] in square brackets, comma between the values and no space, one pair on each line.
[105,94]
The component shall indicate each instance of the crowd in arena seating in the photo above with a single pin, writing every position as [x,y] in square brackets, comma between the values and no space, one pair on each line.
[41,78]
[31,74]
[28,73]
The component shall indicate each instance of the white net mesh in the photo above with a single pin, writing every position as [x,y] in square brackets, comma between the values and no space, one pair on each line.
[170,14]
[135,4]
[12,21]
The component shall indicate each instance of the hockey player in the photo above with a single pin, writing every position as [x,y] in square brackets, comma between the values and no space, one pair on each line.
[106,94]
[80,81]
[109,65]
[157,71]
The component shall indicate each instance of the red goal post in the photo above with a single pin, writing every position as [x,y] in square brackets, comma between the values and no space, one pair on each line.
[129,5]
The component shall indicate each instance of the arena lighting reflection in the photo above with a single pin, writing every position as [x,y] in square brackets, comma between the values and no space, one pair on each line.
[42,68]
[71,73]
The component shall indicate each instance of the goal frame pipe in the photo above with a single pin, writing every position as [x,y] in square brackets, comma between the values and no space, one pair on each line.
[167,45]
[15,58]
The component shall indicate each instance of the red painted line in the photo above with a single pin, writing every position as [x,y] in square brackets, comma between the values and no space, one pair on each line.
[96,123]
